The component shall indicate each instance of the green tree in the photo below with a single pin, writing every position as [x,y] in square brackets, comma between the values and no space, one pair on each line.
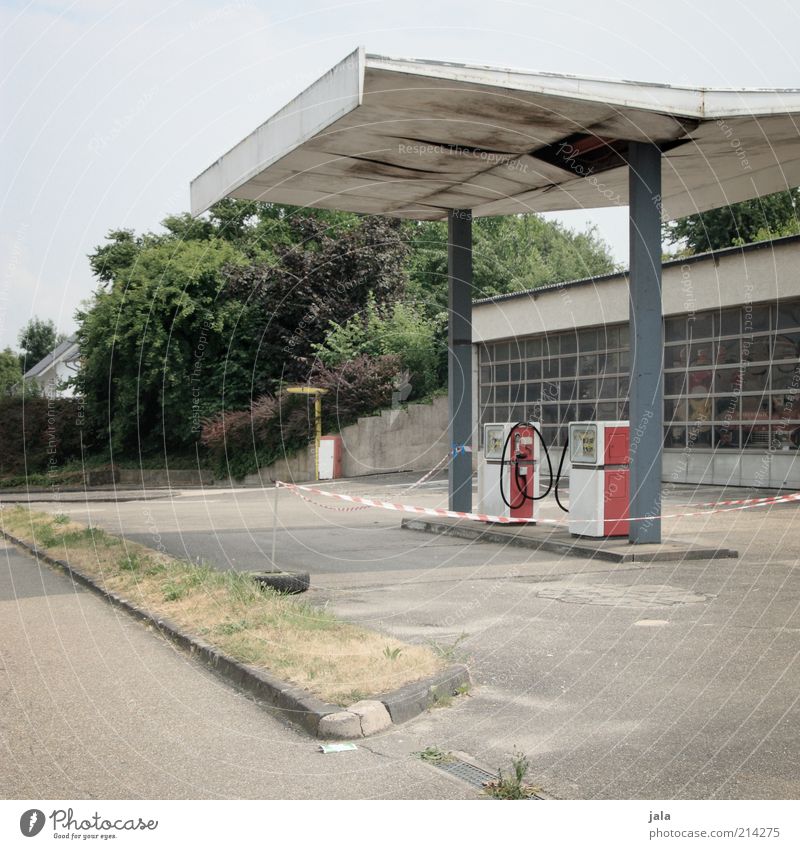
[10,371]
[510,254]
[208,315]
[401,329]
[738,224]
[37,339]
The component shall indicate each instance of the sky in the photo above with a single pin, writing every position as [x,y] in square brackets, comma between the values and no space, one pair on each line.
[110,109]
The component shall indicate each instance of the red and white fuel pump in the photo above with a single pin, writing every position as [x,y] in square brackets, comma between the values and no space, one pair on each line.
[599,482]
[508,473]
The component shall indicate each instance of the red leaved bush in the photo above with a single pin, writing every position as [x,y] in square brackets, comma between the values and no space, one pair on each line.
[241,441]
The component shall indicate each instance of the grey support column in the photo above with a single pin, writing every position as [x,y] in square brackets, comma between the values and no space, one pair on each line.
[459,356]
[647,344]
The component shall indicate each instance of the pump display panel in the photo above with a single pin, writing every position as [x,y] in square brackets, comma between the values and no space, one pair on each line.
[494,436]
[583,443]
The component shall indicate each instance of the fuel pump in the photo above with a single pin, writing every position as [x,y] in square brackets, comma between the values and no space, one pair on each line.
[599,482]
[508,475]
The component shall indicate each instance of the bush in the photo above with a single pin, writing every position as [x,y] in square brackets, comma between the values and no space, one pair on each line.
[39,435]
[242,441]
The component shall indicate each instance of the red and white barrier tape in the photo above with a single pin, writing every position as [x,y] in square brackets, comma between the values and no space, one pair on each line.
[755,502]
[367,506]
[504,520]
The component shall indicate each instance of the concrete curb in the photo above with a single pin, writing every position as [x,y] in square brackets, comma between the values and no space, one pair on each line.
[577,547]
[291,703]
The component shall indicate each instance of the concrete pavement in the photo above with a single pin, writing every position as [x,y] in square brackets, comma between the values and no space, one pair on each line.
[94,705]
[673,680]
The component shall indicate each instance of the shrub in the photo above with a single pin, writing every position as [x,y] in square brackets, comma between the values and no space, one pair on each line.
[39,435]
[242,441]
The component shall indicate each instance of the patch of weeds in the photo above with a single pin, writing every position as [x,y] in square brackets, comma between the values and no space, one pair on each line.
[462,689]
[228,628]
[174,591]
[392,654]
[60,519]
[512,786]
[131,563]
[434,755]
[46,536]
[441,700]
[448,652]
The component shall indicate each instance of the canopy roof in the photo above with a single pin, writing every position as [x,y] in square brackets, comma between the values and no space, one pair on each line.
[412,138]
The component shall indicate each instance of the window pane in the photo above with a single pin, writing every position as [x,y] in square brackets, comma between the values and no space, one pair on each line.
[623,411]
[675,384]
[788,315]
[515,372]
[730,321]
[501,394]
[675,356]
[612,363]
[700,354]
[700,381]
[698,435]
[757,348]
[624,336]
[606,411]
[516,393]
[550,390]
[701,326]
[568,413]
[726,436]
[727,380]
[533,391]
[755,408]
[755,436]
[675,437]
[534,370]
[759,320]
[549,413]
[501,374]
[568,366]
[587,364]
[675,410]
[586,413]
[787,406]
[486,394]
[587,340]
[569,343]
[611,339]
[502,351]
[550,368]
[486,374]
[608,387]
[755,378]
[533,348]
[786,376]
[569,389]
[726,408]
[624,360]
[675,329]
[787,346]
[587,389]
[699,408]
[728,351]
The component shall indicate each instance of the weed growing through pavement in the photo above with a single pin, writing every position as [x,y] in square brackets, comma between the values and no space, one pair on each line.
[512,786]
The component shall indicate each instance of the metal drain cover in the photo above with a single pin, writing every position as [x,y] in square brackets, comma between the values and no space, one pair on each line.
[466,772]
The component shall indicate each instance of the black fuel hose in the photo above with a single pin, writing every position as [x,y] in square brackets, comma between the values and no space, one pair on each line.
[558,475]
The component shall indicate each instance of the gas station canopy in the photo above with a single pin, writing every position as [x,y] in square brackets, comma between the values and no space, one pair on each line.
[415,139]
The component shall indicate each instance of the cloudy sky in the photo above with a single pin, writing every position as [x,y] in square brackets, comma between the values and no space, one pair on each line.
[110,109]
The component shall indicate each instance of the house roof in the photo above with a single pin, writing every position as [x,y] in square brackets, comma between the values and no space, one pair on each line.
[66,351]
[414,138]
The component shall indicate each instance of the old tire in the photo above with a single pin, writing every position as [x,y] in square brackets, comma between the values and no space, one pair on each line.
[290,583]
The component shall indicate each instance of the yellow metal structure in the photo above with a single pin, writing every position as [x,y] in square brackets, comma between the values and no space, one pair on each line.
[317,392]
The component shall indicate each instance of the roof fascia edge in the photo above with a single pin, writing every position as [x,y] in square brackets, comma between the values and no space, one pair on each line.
[654,97]
[213,183]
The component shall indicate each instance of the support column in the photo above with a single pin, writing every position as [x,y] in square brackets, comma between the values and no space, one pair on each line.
[647,340]
[459,356]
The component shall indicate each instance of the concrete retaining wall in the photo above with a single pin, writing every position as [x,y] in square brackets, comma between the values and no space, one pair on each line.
[411,439]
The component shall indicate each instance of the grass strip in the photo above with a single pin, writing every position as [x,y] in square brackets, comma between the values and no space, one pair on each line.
[297,641]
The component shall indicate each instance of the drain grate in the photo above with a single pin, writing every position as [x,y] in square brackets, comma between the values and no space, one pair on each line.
[471,774]
[466,772]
